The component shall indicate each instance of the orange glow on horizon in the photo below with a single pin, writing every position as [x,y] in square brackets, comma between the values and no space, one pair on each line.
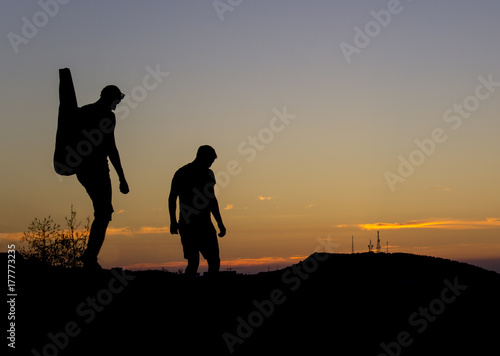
[133,231]
[489,223]
[225,264]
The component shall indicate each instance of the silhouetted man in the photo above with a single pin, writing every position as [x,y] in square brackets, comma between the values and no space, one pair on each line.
[194,185]
[97,130]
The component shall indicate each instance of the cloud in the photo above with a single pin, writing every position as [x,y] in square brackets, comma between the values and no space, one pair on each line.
[154,230]
[120,231]
[11,236]
[137,231]
[264,198]
[229,207]
[439,188]
[448,224]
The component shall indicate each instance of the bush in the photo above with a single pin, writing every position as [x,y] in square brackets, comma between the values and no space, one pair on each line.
[48,243]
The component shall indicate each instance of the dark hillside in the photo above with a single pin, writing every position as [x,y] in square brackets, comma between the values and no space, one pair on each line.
[361,304]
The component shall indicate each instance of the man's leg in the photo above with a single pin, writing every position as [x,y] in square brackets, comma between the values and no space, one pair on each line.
[210,250]
[192,267]
[191,252]
[96,238]
[213,266]
[98,187]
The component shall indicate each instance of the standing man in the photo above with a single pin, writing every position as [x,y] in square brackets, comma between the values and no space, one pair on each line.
[98,132]
[194,185]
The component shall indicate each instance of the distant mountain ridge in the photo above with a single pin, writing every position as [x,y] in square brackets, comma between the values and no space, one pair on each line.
[359,304]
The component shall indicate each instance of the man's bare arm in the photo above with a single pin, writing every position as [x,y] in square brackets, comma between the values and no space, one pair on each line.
[214,209]
[114,157]
[172,207]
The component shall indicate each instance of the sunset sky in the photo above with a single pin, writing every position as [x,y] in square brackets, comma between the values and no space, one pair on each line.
[330,119]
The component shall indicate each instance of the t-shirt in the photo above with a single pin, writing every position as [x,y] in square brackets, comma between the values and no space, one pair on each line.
[195,186]
[96,137]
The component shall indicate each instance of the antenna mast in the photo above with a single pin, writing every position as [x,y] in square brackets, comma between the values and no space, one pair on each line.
[352,251]
[378,243]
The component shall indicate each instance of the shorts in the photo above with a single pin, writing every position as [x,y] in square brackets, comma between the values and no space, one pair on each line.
[199,240]
[98,186]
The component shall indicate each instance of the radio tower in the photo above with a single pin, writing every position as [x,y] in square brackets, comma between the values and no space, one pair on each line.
[377,250]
